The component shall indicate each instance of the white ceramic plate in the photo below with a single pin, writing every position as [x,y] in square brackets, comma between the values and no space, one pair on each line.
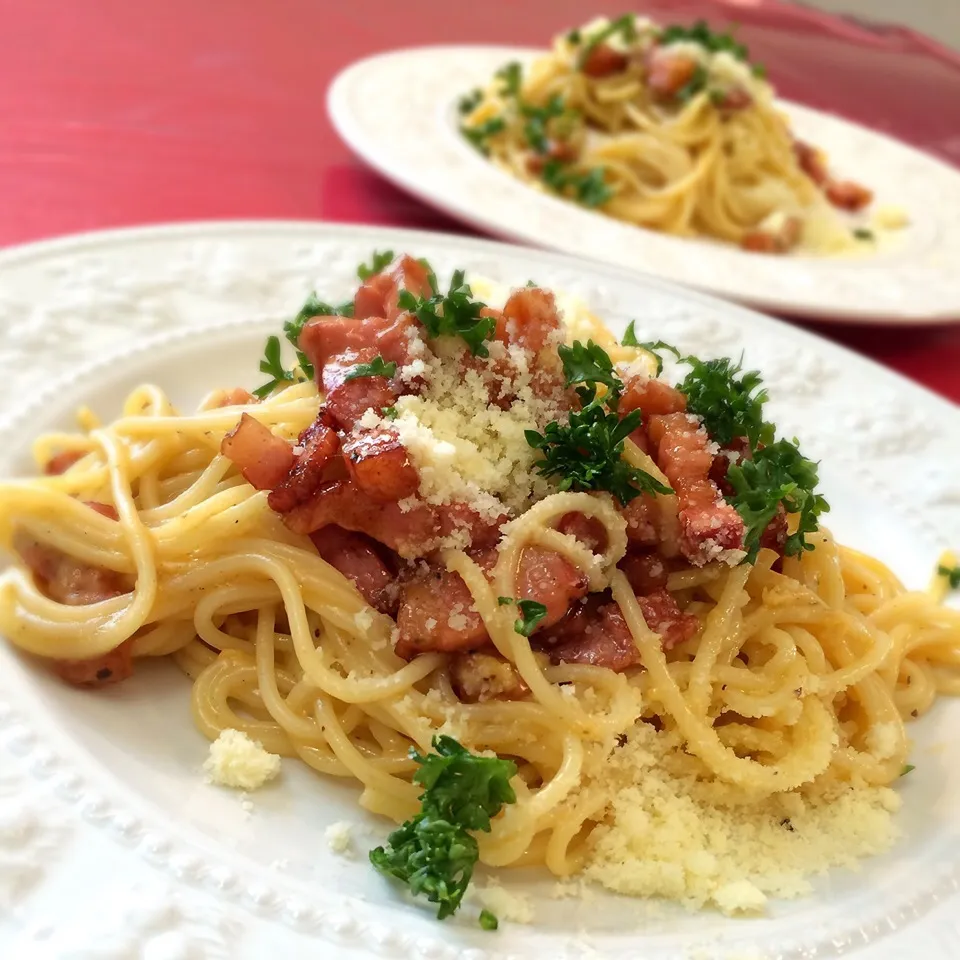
[112,846]
[398,112]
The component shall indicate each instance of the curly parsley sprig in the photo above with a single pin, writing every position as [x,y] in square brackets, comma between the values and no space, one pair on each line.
[453,314]
[730,402]
[434,853]
[778,473]
[586,452]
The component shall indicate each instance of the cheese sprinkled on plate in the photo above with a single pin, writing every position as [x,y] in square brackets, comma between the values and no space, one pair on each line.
[237,761]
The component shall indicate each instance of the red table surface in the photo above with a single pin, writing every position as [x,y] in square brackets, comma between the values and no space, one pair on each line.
[115,113]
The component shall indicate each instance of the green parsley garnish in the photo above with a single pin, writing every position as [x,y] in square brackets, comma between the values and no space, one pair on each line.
[488,920]
[376,368]
[777,474]
[712,42]
[861,233]
[650,346]
[389,413]
[434,853]
[470,101]
[531,613]
[379,260]
[730,404]
[454,314]
[586,452]
[590,364]
[574,37]
[271,364]
[952,574]
[589,188]
[480,134]
[629,338]
[504,601]
[907,768]
[696,83]
[625,25]
[701,33]
[511,78]
[535,129]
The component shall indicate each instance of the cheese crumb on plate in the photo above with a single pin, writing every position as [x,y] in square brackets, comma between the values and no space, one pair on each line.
[237,761]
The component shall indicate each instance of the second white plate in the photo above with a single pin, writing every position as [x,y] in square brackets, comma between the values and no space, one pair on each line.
[398,112]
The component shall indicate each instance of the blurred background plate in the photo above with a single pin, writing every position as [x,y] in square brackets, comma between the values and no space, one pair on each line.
[398,112]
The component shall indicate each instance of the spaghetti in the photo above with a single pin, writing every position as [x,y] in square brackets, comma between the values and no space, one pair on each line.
[762,675]
[669,128]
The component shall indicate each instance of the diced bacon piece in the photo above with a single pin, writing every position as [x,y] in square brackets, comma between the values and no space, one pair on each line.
[736,452]
[478,677]
[65,579]
[681,444]
[325,338]
[564,151]
[319,445]
[234,397]
[811,161]
[262,458]
[529,320]
[709,525]
[348,399]
[549,578]
[640,438]
[848,195]
[668,72]
[647,572]
[361,561]
[588,530]
[437,613]
[482,531]
[107,510]
[582,612]
[605,641]
[110,667]
[651,396]
[642,515]
[774,536]
[664,617]
[604,61]
[409,532]
[378,295]
[370,299]
[378,464]
[781,240]
[62,462]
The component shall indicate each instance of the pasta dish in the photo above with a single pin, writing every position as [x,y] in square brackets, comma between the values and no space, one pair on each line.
[542,605]
[672,129]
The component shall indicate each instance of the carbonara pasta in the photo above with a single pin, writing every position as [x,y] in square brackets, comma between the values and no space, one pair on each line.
[669,128]
[474,520]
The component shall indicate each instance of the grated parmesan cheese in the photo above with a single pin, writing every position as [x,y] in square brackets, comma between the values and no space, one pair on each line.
[339,836]
[237,761]
[669,834]
[506,904]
